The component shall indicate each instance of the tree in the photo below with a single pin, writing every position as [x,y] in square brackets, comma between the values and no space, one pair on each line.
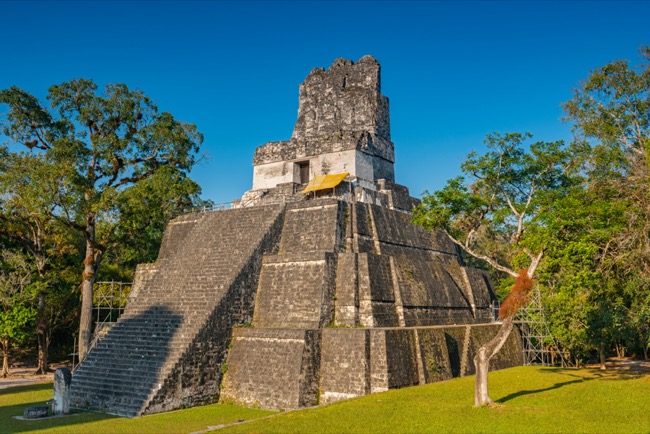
[610,112]
[26,218]
[97,148]
[579,292]
[495,219]
[15,312]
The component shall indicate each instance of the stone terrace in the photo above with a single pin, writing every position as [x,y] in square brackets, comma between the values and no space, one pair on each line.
[166,350]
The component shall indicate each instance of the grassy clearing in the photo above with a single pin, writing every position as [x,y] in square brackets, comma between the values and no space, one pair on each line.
[533,400]
[13,402]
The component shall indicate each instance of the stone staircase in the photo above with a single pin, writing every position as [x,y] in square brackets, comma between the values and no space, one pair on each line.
[275,363]
[166,350]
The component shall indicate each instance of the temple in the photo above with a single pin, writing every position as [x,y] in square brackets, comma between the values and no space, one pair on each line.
[343,127]
[313,287]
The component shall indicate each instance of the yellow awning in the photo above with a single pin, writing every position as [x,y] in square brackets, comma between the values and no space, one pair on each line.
[323,182]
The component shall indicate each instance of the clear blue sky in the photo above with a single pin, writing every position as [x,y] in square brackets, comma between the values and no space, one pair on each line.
[453,71]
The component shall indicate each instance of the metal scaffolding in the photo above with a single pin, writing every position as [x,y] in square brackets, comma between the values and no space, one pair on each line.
[109,302]
[540,348]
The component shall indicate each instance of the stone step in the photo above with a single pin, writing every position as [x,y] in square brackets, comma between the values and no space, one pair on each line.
[104,402]
[124,345]
[126,372]
[132,354]
[143,351]
[148,317]
[172,303]
[119,369]
[106,369]
[119,409]
[136,348]
[159,335]
[158,323]
[111,391]
[116,380]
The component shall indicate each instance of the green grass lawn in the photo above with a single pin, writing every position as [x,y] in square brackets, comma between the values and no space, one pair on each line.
[13,401]
[535,400]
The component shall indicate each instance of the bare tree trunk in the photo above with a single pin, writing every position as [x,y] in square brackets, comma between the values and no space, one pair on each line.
[41,334]
[5,358]
[552,356]
[87,282]
[482,362]
[601,354]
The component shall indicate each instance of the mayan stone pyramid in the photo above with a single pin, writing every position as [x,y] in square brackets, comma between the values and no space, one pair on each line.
[314,287]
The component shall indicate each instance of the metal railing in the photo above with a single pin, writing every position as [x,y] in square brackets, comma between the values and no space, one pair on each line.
[109,301]
[274,200]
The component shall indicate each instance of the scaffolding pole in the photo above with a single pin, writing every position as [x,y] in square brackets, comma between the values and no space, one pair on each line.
[539,345]
[109,302]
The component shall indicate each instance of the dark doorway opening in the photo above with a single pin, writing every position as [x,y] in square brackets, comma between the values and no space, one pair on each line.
[304,172]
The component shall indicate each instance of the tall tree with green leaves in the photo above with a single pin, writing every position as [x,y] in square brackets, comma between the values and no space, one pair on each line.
[494,218]
[16,313]
[98,147]
[26,218]
[610,113]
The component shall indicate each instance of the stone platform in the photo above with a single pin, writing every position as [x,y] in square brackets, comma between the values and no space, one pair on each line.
[291,300]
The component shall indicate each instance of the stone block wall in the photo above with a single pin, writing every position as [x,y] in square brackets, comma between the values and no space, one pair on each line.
[292,273]
[345,364]
[386,282]
[404,275]
[355,362]
[273,368]
[296,291]
[166,350]
[312,227]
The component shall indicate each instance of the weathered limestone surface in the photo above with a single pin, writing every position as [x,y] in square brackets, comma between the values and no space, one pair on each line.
[355,362]
[343,125]
[341,108]
[308,301]
[165,352]
[61,399]
[388,282]
[284,363]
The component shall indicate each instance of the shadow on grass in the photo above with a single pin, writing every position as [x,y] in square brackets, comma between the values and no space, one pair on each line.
[21,389]
[546,389]
[12,404]
[608,374]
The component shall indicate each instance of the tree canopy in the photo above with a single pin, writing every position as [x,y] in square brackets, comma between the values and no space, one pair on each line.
[112,169]
[582,209]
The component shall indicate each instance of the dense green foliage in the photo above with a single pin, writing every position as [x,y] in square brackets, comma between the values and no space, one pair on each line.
[86,188]
[582,209]
[538,400]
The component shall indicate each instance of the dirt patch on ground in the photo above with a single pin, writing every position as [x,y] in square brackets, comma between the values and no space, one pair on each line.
[625,364]
[24,376]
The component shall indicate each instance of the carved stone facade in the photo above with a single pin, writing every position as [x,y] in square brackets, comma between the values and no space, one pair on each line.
[343,126]
[291,300]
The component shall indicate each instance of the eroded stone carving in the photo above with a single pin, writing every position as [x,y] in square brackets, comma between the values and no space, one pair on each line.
[61,400]
[343,126]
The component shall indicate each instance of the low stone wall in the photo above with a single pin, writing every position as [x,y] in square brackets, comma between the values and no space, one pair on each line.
[355,362]
[273,368]
[291,368]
